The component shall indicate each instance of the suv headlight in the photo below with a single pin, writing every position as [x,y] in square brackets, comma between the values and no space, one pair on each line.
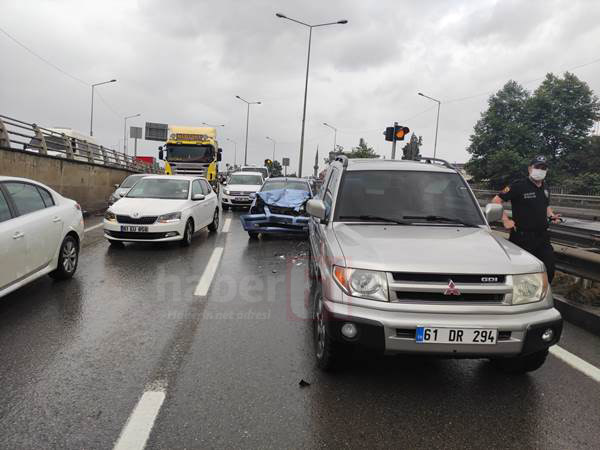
[169,218]
[529,287]
[110,216]
[369,284]
[225,191]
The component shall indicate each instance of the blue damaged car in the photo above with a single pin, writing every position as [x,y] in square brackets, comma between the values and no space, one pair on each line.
[279,207]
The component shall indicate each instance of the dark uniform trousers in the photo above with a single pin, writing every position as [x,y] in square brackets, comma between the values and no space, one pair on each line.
[538,244]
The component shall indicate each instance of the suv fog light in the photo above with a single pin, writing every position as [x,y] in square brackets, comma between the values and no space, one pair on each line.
[349,330]
[548,335]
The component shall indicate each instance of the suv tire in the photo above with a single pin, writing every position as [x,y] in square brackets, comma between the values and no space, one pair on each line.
[521,364]
[328,352]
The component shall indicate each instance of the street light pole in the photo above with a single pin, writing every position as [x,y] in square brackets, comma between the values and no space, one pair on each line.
[334,134]
[92,108]
[437,122]
[273,140]
[247,124]
[234,152]
[339,22]
[125,140]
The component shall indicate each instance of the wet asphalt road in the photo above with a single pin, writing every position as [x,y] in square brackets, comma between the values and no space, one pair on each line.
[76,357]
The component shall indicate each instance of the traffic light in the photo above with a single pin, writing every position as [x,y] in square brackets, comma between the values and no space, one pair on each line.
[396,133]
[268,162]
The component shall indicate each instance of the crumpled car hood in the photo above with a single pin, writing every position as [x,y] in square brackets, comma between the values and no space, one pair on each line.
[285,198]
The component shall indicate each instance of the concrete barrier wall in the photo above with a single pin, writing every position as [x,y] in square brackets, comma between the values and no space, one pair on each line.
[90,185]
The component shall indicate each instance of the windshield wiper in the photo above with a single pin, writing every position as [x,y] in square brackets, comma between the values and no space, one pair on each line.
[442,219]
[376,219]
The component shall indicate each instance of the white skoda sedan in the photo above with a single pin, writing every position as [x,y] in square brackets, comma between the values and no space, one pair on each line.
[161,208]
[40,233]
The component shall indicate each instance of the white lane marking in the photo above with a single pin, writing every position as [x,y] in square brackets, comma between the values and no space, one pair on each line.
[209,273]
[576,362]
[140,422]
[93,227]
[226,225]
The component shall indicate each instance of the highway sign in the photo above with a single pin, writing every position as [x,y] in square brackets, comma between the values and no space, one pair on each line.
[285,162]
[135,132]
[156,131]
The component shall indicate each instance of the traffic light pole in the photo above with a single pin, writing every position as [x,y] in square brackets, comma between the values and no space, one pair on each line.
[394,142]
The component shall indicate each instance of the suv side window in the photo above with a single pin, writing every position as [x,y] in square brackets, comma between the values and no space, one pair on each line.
[25,197]
[196,188]
[330,190]
[4,209]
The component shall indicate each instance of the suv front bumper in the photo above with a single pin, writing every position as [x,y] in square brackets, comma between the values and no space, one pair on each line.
[394,332]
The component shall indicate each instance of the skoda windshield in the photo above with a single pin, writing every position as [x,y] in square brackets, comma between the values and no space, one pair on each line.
[408,197]
[160,188]
[190,153]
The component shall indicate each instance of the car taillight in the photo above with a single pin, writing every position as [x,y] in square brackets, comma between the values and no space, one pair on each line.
[78,206]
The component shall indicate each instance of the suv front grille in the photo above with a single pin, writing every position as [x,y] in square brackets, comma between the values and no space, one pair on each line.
[443,278]
[441,297]
[147,220]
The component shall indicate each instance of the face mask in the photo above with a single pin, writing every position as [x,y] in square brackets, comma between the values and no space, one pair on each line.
[538,174]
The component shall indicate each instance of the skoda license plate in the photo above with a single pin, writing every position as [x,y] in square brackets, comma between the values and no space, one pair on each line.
[133,229]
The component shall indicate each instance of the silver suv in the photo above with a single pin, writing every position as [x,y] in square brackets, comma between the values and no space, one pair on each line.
[403,261]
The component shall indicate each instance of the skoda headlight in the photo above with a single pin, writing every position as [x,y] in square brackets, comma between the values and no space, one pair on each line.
[110,216]
[169,218]
[529,287]
[369,284]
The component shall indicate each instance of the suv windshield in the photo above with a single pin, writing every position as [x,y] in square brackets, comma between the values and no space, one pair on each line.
[246,179]
[413,197]
[160,188]
[283,184]
[262,170]
[190,153]
[131,180]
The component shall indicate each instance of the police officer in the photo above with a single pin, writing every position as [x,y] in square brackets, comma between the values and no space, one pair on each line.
[531,213]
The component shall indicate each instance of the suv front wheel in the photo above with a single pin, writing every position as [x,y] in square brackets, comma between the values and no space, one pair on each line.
[328,351]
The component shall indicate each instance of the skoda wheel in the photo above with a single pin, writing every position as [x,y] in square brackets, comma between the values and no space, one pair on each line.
[187,234]
[214,225]
[68,257]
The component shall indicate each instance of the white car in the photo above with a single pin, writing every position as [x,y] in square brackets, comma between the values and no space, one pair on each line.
[239,190]
[161,208]
[40,233]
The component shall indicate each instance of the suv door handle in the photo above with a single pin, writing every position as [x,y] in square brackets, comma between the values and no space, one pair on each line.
[18,235]
[56,219]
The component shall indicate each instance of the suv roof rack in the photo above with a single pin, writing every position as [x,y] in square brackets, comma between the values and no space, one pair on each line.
[343,159]
[429,160]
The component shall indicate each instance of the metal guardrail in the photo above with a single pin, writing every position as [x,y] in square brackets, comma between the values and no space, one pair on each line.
[583,201]
[29,137]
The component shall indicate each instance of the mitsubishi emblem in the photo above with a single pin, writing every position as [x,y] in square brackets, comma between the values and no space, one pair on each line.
[452,289]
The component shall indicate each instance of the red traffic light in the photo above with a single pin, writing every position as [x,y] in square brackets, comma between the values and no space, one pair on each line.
[400,132]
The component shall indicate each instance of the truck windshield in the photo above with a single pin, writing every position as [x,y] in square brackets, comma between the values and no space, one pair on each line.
[397,194]
[190,153]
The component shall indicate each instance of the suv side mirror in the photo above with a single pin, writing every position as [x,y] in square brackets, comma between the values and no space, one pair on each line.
[117,186]
[198,197]
[493,212]
[161,154]
[316,208]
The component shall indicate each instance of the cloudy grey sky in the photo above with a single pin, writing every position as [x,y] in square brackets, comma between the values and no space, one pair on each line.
[184,61]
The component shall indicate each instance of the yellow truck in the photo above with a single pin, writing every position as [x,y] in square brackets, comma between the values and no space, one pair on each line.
[192,151]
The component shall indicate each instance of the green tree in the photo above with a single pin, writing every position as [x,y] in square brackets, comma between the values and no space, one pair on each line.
[276,169]
[362,151]
[411,149]
[503,130]
[562,112]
